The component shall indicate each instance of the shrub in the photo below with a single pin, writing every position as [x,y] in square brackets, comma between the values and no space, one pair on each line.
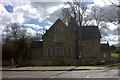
[59,63]
[25,63]
[101,62]
[117,50]
[89,63]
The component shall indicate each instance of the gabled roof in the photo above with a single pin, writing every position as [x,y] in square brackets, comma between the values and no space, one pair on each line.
[90,32]
[36,44]
[57,22]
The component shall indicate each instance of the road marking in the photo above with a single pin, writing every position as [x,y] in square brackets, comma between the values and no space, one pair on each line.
[88,76]
[12,76]
[113,70]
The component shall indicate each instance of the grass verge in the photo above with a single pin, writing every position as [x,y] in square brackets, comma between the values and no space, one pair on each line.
[106,65]
[114,55]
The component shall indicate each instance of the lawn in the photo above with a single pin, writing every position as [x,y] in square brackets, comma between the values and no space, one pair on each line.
[114,55]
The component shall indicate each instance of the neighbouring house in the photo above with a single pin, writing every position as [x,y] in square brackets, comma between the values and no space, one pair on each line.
[69,44]
[112,49]
[105,49]
[36,51]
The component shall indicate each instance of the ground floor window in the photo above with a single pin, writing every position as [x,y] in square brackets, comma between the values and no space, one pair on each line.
[59,51]
[69,51]
[48,51]
[88,54]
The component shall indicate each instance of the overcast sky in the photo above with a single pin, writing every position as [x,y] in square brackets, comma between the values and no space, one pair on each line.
[35,15]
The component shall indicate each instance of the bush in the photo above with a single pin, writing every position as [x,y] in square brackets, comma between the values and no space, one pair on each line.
[117,50]
[101,62]
[25,63]
[89,63]
[59,63]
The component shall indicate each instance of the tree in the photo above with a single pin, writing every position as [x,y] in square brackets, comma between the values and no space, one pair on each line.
[8,51]
[65,15]
[116,18]
[78,9]
[116,3]
[97,15]
[117,50]
[16,38]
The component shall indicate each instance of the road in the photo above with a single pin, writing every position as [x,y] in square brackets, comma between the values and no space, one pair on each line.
[70,75]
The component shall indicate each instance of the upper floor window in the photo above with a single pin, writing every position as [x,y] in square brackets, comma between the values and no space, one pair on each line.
[58,38]
[59,29]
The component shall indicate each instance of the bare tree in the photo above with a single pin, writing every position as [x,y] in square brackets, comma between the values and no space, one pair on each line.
[97,14]
[116,3]
[65,15]
[78,9]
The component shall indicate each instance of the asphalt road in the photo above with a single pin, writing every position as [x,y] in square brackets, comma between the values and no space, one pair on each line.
[104,74]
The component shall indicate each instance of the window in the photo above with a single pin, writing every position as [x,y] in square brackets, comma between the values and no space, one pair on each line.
[59,38]
[59,29]
[48,51]
[69,51]
[59,51]
[88,54]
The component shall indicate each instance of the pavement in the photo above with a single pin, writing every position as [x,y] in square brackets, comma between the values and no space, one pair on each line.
[51,68]
[77,73]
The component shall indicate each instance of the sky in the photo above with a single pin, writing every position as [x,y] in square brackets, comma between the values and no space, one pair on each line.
[36,15]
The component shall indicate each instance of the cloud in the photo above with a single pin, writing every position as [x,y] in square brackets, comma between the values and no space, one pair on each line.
[54,16]
[112,39]
[30,32]
[45,9]
[34,26]
[5,17]
[47,27]
[1,31]
[113,32]
[46,5]
[26,11]
[105,2]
